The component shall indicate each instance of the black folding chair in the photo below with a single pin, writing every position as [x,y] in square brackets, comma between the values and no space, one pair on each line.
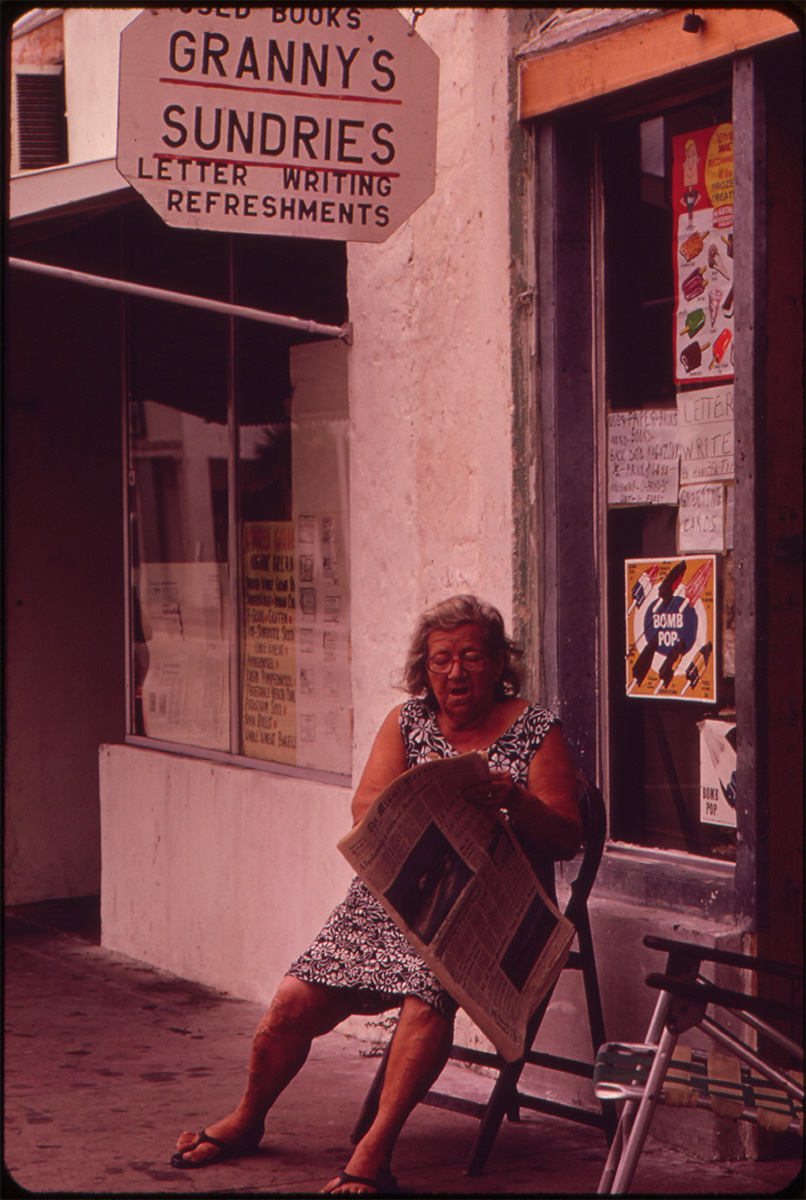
[505,1098]
[744,1084]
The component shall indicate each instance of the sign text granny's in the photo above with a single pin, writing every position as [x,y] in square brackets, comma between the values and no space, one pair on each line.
[307,122]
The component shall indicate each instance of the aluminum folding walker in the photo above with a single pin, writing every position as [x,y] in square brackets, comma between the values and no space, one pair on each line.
[743,1084]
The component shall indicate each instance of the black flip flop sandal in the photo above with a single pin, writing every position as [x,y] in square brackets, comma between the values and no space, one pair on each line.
[226,1150]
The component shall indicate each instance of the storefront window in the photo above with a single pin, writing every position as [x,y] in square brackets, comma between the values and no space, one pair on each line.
[238,509]
[667,251]
[294,507]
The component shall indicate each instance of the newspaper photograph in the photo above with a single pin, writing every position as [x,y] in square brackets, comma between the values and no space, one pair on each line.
[454,878]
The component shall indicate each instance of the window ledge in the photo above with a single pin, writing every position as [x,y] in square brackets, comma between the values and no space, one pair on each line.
[668,879]
[182,750]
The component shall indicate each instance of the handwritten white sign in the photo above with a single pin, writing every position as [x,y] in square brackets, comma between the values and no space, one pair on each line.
[701,518]
[705,428]
[643,456]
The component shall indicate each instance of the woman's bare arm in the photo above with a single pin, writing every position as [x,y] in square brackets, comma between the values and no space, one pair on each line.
[546,811]
[387,760]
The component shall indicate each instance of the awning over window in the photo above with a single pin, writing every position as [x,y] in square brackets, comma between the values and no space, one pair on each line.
[579,54]
[58,191]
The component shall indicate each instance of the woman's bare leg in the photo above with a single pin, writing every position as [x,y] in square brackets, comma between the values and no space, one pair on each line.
[419,1051]
[299,1012]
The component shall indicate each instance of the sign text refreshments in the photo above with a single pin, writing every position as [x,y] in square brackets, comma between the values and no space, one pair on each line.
[311,122]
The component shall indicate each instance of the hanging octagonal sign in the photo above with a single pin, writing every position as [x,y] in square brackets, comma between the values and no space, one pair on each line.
[301,122]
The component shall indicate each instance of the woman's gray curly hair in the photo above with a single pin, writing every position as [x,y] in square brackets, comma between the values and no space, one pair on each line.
[460,610]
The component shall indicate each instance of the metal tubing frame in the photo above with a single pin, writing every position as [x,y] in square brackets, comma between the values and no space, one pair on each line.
[742,1051]
[624,1127]
[643,1117]
[637,1114]
[345,332]
[762,1027]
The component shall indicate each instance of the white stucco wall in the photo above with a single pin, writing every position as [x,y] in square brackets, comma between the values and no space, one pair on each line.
[223,874]
[430,385]
[91,56]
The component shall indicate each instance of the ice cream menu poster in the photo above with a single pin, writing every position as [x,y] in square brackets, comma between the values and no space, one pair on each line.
[671,627]
[702,195]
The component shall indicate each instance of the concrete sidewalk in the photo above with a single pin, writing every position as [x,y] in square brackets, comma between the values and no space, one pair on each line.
[107,1059]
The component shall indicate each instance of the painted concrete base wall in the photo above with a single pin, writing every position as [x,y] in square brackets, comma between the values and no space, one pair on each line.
[218,874]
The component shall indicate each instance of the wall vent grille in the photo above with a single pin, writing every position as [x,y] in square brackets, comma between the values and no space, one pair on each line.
[41,124]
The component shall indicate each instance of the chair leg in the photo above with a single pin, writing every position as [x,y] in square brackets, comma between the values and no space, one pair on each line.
[498,1105]
[593,1001]
[590,980]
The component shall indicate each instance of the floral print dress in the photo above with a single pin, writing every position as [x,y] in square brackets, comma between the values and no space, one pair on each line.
[360,948]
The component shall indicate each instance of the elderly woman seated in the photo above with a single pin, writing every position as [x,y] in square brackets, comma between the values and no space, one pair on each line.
[463,679]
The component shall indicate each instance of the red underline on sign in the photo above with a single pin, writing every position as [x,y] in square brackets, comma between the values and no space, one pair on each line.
[230,87]
[241,162]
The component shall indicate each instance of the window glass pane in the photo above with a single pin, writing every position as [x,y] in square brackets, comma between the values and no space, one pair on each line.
[178,450]
[295,648]
[669,743]
[254,415]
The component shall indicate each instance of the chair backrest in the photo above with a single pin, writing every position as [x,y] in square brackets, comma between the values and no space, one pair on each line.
[594,826]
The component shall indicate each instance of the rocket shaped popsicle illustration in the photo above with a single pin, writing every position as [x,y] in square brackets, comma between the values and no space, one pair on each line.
[640,668]
[643,587]
[667,668]
[670,581]
[697,665]
[696,585]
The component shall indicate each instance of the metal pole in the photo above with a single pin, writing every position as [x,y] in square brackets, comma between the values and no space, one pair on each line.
[644,1115]
[624,1127]
[345,332]
[233,523]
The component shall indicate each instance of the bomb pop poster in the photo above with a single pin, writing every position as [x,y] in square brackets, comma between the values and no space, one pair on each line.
[702,196]
[717,772]
[671,628]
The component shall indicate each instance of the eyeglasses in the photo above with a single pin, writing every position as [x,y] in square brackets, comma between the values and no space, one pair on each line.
[469,660]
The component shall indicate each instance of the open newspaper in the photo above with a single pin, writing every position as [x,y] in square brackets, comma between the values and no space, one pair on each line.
[455,880]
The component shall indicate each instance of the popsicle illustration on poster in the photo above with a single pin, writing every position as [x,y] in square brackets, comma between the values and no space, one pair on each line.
[702,197]
[671,627]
